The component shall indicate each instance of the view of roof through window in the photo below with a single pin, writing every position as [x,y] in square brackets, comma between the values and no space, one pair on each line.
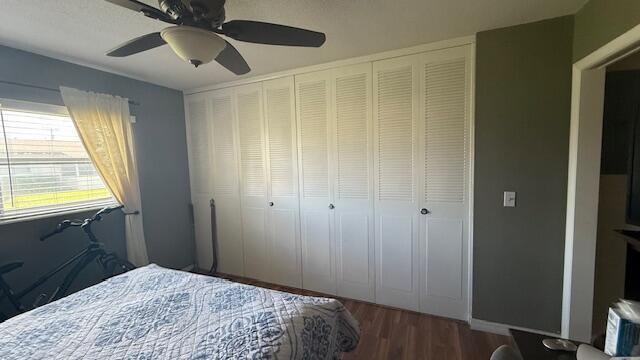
[43,165]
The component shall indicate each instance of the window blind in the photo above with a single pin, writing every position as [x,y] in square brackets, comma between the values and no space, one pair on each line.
[44,167]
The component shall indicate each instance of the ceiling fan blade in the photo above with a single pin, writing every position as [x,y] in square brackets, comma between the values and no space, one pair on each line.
[231,59]
[137,45]
[272,34]
[147,10]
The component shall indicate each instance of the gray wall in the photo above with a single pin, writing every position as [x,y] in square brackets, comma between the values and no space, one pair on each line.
[19,241]
[523,86]
[162,161]
[600,21]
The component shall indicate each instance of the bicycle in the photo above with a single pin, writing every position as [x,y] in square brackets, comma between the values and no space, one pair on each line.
[110,263]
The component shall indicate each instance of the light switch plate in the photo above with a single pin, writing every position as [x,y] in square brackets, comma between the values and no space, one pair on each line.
[509,199]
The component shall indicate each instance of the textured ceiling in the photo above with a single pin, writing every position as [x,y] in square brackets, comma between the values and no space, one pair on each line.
[81,31]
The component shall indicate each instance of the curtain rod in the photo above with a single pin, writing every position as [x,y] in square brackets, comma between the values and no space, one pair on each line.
[131,102]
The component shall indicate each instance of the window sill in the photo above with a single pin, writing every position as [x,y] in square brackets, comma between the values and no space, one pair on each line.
[55,213]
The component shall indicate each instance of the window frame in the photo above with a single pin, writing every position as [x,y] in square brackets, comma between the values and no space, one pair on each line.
[59,209]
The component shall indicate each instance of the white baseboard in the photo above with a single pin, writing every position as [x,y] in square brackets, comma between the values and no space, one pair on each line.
[189,267]
[503,329]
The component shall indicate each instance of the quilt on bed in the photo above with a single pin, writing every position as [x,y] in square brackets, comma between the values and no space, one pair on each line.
[157,313]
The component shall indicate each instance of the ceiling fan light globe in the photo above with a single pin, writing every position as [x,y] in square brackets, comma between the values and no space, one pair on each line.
[193,45]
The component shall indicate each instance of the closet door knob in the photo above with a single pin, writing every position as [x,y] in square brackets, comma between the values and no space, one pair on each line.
[424,211]
[331,206]
[270,203]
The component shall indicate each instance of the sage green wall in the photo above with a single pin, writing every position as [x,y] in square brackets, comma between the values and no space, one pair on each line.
[601,21]
[523,87]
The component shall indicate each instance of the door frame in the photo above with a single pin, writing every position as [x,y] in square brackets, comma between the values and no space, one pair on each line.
[585,142]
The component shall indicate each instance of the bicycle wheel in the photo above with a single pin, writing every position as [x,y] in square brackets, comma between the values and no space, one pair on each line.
[112,265]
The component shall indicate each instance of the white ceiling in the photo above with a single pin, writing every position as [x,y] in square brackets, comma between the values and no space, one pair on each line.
[81,31]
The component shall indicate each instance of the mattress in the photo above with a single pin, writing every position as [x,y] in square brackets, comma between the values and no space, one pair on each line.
[157,313]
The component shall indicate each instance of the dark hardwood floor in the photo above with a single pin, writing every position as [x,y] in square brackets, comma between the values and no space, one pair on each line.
[388,333]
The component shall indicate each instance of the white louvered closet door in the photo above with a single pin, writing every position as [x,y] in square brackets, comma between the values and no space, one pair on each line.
[199,151]
[226,187]
[395,109]
[353,181]
[283,218]
[444,145]
[313,94]
[253,189]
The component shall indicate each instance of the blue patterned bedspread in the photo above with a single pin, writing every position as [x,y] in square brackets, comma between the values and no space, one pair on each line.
[157,313]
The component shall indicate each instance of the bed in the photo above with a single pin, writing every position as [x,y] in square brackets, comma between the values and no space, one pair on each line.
[157,313]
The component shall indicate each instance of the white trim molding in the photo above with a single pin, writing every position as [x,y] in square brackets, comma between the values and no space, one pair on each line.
[33,107]
[471,175]
[585,142]
[444,44]
[582,202]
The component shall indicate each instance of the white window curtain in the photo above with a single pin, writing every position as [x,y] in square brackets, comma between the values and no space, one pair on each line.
[104,126]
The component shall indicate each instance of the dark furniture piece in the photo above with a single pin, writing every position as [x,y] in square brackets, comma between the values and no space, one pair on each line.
[632,268]
[531,348]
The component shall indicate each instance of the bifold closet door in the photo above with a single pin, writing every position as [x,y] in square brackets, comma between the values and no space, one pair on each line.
[353,174]
[397,213]
[444,136]
[313,108]
[253,189]
[283,218]
[199,151]
[226,188]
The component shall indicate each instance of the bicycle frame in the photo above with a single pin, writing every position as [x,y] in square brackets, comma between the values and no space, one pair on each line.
[81,260]
[94,251]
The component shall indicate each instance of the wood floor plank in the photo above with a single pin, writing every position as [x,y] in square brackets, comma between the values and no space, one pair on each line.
[411,350]
[388,333]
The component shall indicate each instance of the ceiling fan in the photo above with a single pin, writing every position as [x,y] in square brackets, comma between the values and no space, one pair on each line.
[197,26]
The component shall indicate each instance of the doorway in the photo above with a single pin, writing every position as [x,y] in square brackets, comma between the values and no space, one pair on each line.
[587,104]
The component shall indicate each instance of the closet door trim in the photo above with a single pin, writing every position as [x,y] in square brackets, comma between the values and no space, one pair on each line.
[354,188]
[228,237]
[315,213]
[286,271]
[445,234]
[200,197]
[397,215]
[253,190]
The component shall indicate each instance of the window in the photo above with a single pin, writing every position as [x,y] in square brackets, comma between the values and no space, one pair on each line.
[43,166]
